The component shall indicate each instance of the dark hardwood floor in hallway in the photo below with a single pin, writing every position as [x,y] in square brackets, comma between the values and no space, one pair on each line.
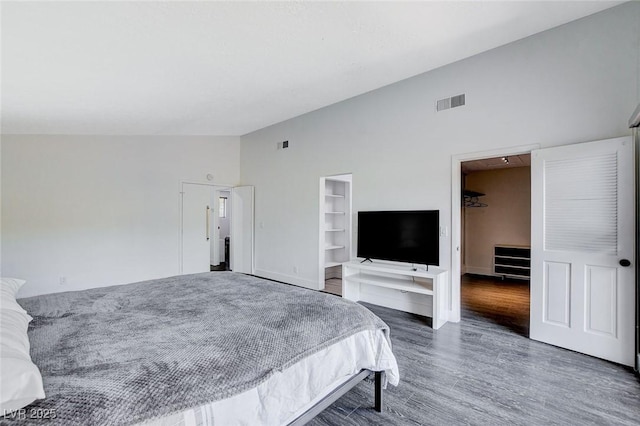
[502,302]
[484,371]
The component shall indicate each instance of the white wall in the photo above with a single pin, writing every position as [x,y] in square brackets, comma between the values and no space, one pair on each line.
[578,82]
[100,210]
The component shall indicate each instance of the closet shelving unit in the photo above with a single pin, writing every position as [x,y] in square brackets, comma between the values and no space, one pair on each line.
[512,261]
[472,198]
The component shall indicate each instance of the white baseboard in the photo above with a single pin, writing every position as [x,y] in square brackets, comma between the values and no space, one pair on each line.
[289,279]
[479,270]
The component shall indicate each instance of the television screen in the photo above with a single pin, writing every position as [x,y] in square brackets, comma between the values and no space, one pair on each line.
[401,236]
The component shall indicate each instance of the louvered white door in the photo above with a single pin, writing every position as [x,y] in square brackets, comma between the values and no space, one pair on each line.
[582,236]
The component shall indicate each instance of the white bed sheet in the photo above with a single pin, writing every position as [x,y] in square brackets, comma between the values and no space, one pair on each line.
[289,393]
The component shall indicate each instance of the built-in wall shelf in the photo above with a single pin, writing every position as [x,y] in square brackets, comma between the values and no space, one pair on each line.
[335,226]
[468,193]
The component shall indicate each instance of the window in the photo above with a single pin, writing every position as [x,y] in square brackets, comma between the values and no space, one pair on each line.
[222,207]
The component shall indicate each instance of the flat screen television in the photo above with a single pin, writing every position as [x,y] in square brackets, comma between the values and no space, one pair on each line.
[401,236]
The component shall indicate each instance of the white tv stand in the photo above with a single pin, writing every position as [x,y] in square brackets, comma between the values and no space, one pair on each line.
[399,287]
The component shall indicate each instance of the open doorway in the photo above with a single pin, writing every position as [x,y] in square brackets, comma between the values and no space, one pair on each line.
[582,238]
[216,228]
[495,232]
[221,241]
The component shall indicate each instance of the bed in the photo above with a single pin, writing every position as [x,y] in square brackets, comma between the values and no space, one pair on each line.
[214,348]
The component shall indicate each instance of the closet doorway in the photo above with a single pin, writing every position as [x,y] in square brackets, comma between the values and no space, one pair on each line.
[496,241]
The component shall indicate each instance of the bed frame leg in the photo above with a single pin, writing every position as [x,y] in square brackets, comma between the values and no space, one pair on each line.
[379,401]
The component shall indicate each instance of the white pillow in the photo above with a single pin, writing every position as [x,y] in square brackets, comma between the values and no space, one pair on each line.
[8,289]
[20,379]
[11,284]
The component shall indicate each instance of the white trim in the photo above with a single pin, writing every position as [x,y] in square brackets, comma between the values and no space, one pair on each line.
[634,121]
[347,179]
[208,183]
[456,202]
[321,237]
[236,200]
[180,202]
[289,279]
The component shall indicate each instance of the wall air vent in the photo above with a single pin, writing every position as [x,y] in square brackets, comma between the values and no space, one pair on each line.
[452,102]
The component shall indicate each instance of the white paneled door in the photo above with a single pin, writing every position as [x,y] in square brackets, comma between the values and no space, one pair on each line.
[242,231]
[196,228]
[582,248]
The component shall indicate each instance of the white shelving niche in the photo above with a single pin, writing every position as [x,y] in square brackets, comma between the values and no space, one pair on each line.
[335,226]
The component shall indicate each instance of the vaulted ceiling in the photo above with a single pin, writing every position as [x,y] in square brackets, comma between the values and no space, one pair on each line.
[229,68]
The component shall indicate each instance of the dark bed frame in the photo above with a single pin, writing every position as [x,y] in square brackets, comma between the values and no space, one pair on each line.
[341,390]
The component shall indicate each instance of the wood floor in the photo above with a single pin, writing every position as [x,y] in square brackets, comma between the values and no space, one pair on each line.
[482,371]
[502,302]
[333,286]
[220,267]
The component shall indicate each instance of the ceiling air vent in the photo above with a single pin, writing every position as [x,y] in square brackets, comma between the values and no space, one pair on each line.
[452,102]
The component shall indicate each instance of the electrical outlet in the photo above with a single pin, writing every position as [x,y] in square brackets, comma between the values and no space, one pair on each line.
[63,280]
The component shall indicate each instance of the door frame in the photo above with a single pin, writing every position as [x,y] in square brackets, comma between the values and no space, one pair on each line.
[180,197]
[456,202]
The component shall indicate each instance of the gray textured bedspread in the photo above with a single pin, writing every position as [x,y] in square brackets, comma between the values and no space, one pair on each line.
[125,354]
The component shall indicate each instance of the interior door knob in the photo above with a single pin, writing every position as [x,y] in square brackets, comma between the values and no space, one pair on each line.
[625,262]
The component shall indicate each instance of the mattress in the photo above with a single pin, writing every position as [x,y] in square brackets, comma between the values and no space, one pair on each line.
[240,349]
[297,388]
